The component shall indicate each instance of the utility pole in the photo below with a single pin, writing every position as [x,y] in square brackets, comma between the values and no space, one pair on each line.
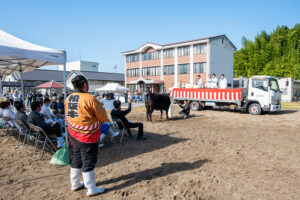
[115,67]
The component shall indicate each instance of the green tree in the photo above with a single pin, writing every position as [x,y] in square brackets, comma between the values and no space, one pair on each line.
[276,54]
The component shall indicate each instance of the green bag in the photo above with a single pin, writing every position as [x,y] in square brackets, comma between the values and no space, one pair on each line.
[61,157]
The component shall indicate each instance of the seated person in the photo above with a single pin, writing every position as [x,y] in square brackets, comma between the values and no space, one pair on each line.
[37,119]
[7,112]
[61,106]
[186,109]
[49,116]
[21,114]
[105,130]
[46,110]
[117,113]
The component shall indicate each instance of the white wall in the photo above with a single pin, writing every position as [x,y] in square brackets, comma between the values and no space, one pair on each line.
[80,66]
[221,59]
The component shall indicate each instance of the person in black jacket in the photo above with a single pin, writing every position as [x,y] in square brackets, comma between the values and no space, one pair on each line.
[37,119]
[21,114]
[117,113]
[186,109]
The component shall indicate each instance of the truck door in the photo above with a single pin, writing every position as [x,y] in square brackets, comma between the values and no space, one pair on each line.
[258,91]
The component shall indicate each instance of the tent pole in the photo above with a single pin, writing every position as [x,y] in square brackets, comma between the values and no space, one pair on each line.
[65,96]
[22,85]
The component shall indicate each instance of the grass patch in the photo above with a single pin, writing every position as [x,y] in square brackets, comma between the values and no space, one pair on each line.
[290,105]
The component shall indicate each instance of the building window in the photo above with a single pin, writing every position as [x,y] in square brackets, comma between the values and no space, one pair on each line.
[151,71]
[200,48]
[151,55]
[184,51]
[132,58]
[133,72]
[168,53]
[184,69]
[168,69]
[199,67]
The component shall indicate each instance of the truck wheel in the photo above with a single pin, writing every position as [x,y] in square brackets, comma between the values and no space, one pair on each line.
[195,105]
[254,109]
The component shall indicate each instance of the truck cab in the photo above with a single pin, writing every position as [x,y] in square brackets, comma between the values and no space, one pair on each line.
[263,94]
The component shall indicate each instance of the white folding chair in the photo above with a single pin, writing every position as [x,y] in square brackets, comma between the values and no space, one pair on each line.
[24,132]
[8,128]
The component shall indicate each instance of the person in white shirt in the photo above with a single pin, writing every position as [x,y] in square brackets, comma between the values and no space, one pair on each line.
[49,117]
[223,82]
[199,81]
[208,81]
[214,81]
[7,112]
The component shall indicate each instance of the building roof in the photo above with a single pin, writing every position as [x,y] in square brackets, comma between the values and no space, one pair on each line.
[56,75]
[188,41]
[51,84]
[42,75]
[103,76]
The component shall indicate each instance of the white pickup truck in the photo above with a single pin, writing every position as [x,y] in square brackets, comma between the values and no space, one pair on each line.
[256,95]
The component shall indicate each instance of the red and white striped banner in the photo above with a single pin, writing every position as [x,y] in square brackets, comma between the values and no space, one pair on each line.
[207,94]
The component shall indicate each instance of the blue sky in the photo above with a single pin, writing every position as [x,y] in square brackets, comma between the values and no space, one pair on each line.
[101,30]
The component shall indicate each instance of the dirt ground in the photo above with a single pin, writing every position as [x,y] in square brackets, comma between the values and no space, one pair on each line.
[211,155]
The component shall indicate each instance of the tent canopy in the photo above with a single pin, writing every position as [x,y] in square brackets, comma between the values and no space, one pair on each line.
[113,87]
[17,55]
[50,84]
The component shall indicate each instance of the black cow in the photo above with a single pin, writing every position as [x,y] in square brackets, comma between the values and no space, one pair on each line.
[155,101]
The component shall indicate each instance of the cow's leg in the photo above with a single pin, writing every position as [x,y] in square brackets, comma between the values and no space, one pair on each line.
[167,111]
[161,112]
[151,111]
[147,113]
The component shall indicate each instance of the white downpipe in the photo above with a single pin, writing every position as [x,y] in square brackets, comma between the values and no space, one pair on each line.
[65,96]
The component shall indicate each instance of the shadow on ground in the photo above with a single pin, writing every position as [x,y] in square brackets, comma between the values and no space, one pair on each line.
[114,152]
[149,174]
[283,112]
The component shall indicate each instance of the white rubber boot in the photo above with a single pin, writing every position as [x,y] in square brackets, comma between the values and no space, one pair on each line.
[112,133]
[102,136]
[75,179]
[60,142]
[89,183]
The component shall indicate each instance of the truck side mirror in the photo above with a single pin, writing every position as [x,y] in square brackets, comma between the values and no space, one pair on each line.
[287,83]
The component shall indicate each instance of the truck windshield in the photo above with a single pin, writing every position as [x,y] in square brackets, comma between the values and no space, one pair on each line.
[274,84]
[261,84]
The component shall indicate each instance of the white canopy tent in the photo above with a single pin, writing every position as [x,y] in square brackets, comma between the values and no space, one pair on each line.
[115,87]
[18,56]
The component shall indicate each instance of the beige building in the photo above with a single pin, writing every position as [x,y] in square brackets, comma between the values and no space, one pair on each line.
[158,67]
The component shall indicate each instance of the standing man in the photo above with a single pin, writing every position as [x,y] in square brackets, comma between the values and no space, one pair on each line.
[199,81]
[214,81]
[53,94]
[208,81]
[29,98]
[84,115]
[223,82]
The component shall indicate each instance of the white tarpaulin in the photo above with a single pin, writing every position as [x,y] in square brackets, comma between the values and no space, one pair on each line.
[113,87]
[17,55]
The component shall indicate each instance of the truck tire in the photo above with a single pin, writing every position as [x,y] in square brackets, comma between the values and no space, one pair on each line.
[254,109]
[195,105]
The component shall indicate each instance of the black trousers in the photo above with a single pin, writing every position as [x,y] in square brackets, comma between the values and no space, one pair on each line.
[183,114]
[136,125]
[85,158]
[55,129]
